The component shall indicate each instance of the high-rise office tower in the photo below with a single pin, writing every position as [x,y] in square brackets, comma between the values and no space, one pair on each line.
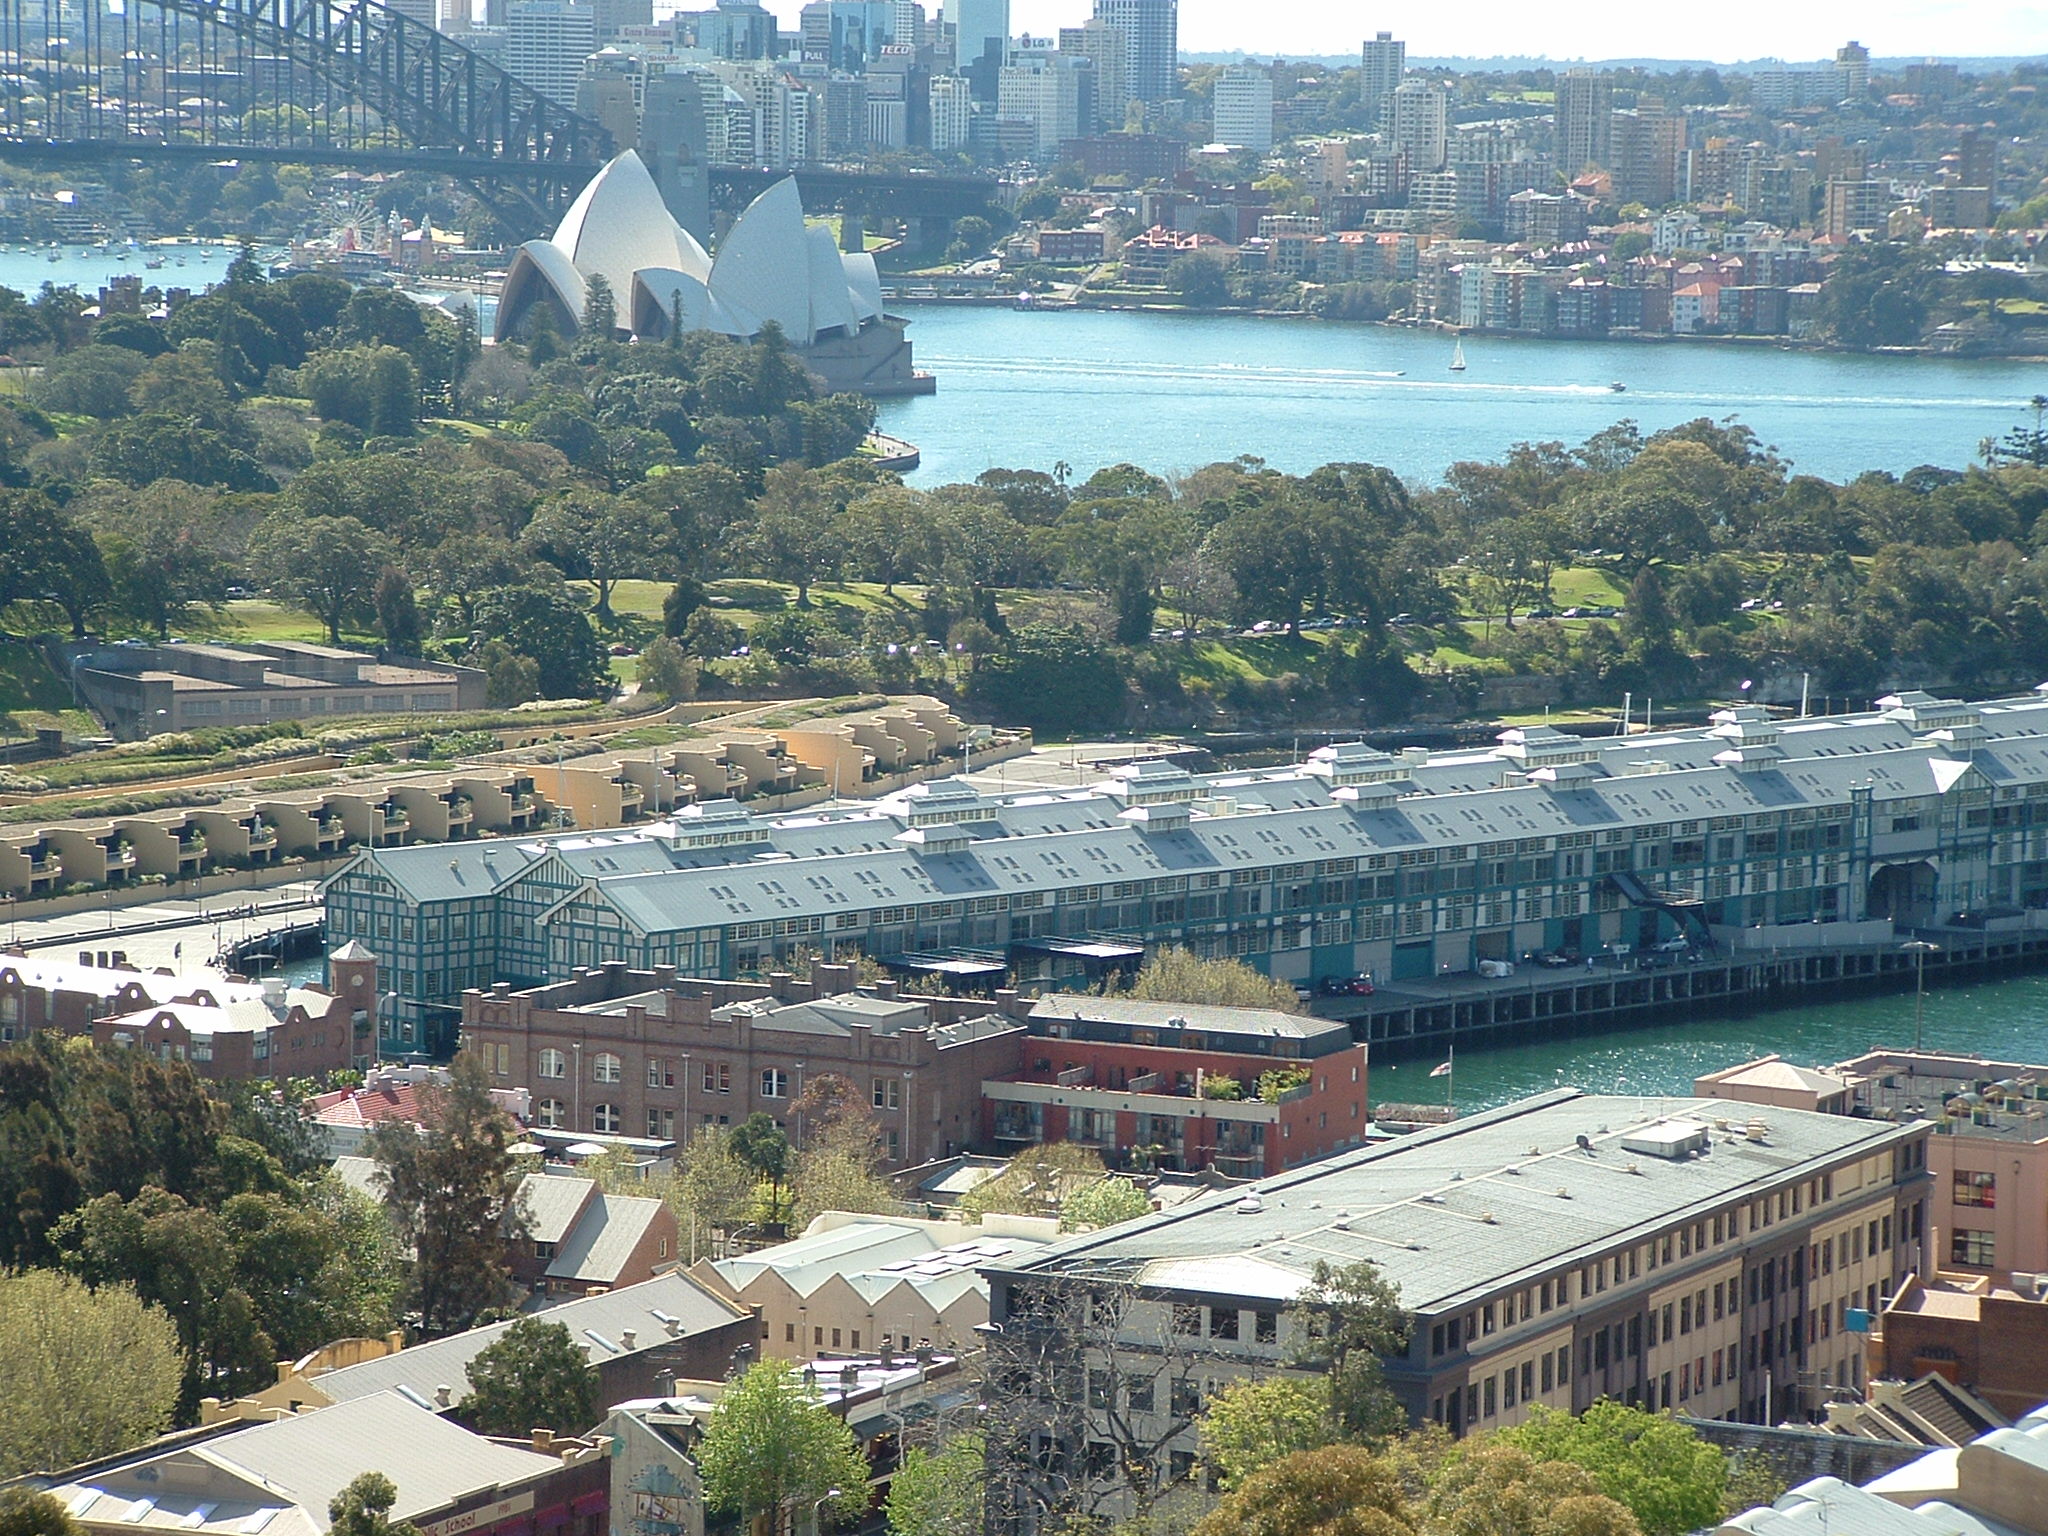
[1420,114]
[546,43]
[1108,48]
[978,26]
[952,110]
[1153,27]
[1386,61]
[1244,107]
[846,34]
[1054,92]
[1585,121]
[909,23]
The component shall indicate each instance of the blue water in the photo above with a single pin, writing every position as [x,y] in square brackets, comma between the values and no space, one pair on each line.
[1173,392]
[2003,1020]
[86,268]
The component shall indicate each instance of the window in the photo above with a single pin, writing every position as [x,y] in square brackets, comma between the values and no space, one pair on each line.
[1222,1322]
[604,1118]
[605,1068]
[717,1077]
[1972,1248]
[887,1091]
[1978,1189]
[774,1083]
[661,1124]
[659,1074]
[1266,1327]
[554,1114]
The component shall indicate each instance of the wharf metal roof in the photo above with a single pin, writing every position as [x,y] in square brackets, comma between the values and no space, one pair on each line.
[1458,1213]
[1537,784]
[597,1324]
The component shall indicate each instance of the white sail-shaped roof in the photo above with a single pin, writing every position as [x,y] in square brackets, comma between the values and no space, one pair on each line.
[539,270]
[763,263]
[865,281]
[770,266]
[831,298]
[619,224]
[662,297]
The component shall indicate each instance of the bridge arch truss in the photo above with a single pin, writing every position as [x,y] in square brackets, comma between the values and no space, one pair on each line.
[345,82]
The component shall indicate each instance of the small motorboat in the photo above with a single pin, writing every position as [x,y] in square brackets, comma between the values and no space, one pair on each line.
[1618,387]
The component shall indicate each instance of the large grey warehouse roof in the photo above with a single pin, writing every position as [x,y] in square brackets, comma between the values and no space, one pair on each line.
[1464,1211]
[1347,802]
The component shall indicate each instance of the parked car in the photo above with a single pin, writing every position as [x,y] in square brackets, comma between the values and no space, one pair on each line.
[1605,611]
[1576,612]
[1540,613]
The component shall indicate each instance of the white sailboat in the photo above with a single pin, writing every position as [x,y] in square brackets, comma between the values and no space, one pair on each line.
[1458,355]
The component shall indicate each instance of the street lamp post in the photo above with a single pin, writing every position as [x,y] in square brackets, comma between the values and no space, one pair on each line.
[1919,949]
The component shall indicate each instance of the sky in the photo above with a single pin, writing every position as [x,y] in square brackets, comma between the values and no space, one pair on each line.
[1729,31]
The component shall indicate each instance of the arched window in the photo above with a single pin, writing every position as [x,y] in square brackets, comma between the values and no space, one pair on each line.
[553,1064]
[604,1068]
[554,1114]
[604,1117]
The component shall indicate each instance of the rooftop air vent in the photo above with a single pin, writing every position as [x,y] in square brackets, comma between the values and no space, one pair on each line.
[1668,1139]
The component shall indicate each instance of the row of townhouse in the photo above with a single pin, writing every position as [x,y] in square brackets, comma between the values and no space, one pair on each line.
[1552,1252]
[249,830]
[256,830]
[1404,865]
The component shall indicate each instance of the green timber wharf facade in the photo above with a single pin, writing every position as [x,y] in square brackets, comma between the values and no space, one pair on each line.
[1778,852]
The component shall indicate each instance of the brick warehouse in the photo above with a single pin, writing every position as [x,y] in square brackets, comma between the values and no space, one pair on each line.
[615,1050]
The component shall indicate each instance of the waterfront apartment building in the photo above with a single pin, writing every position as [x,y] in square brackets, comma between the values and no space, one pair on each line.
[1150,1085]
[1816,833]
[1553,1251]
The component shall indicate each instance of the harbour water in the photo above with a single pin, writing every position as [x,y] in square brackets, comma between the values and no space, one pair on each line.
[87,267]
[1021,389]
[2006,1019]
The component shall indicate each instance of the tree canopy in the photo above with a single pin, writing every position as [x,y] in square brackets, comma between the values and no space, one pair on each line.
[532,1376]
[772,1448]
[83,1373]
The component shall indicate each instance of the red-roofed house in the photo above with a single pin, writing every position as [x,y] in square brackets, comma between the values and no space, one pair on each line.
[344,1119]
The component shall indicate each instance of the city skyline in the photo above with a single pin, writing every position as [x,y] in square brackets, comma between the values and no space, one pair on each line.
[1302,28]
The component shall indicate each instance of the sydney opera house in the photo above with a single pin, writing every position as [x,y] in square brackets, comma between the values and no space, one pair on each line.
[770,266]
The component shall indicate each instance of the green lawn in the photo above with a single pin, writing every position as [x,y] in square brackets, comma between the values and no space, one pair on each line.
[33,697]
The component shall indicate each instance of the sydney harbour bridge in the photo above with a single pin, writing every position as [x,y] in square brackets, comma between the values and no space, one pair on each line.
[336,82]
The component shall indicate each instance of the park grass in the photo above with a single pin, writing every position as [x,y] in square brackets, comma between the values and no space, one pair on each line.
[32,697]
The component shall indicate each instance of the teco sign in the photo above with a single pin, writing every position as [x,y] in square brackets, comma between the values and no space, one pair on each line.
[476,1519]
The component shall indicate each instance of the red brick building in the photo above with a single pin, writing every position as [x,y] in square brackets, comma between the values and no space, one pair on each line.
[579,1239]
[226,1029]
[615,1050]
[1250,1091]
